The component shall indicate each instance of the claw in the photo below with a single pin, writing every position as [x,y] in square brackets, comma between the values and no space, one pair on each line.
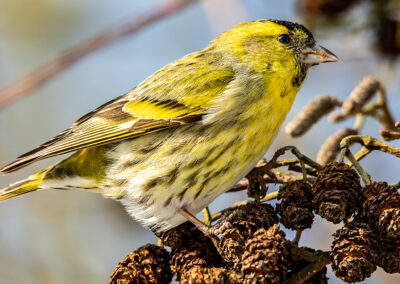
[210,231]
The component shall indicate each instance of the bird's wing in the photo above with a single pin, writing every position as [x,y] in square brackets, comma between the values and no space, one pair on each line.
[174,96]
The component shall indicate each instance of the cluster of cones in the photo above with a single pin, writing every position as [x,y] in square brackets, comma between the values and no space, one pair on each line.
[372,237]
[253,248]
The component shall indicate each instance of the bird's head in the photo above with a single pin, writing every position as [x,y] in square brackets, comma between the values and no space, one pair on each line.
[273,45]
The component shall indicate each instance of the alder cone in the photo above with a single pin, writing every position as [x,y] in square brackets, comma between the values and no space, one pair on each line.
[381,205]
[266,257]
[354,251]
[241,223]
[389,255]
[147,264]
[190,248]
[296,208]
[201,275]
[336,192]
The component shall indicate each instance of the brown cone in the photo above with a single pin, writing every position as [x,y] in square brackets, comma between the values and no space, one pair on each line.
[382,207]
[147,264]
[241,223]
[389,255]
[354,251]
[335,192]
[266,257]
[201,275]
[295,208]
[190,248]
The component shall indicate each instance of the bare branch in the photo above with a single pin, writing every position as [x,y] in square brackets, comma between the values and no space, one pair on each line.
[44,73]
[370,143]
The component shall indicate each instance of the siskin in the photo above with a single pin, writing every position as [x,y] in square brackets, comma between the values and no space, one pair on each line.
[189,132]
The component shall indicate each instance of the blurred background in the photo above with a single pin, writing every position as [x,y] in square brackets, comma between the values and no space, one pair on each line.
[77,237]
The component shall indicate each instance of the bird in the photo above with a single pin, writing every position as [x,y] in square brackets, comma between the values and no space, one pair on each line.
[186,134]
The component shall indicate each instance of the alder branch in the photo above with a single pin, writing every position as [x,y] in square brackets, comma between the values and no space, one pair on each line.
[38,77]
[309,270]
[370,143]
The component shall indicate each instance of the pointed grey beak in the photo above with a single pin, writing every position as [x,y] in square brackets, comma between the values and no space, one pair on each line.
[318,54]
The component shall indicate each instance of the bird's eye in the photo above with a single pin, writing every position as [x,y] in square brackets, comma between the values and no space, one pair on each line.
[284,38]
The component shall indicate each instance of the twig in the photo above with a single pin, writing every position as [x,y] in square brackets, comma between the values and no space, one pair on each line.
[364,175]
[362,153]
[207,216]
[370,143]
[267,197]
[342,154]
[299,253]
[286,162]
[41,75]
[297,238]
[358,121]
[281,177]
[297,168]
[389,135]
[270,196]
[285,177]
[386,120]
[309,270]
[305,159]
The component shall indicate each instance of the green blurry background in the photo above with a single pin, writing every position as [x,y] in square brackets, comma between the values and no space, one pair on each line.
[77,237]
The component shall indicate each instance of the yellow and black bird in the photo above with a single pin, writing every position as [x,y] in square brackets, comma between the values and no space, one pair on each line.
[189,132]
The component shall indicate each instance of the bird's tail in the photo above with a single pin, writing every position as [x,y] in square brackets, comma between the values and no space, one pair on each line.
[21,187]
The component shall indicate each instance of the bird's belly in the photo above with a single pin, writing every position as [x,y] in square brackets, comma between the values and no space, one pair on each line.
[188,168]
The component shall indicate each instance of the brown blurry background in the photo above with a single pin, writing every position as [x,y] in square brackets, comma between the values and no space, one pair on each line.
[77,237]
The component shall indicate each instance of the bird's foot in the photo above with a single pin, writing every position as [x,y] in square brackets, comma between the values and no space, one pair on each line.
[210,231]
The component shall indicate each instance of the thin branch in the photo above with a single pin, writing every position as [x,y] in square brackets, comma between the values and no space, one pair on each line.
[370,143]
[306,159]
[389,135]
[270,196]
[386,120]
[281,177]
[362,153]
[44,73]
[207,216]
[297,238]
[297,168]
[267,197]
[309,270]
[286,162]
[299,253]
[364,175]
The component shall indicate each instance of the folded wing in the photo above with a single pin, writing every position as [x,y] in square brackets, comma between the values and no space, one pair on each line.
[145,109]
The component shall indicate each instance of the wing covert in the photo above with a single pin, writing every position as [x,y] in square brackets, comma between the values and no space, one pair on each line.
[145,109]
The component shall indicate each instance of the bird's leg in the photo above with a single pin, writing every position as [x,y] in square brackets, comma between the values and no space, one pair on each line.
[210,231]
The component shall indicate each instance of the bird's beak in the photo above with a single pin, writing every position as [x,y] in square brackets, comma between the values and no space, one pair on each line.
[318,54]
